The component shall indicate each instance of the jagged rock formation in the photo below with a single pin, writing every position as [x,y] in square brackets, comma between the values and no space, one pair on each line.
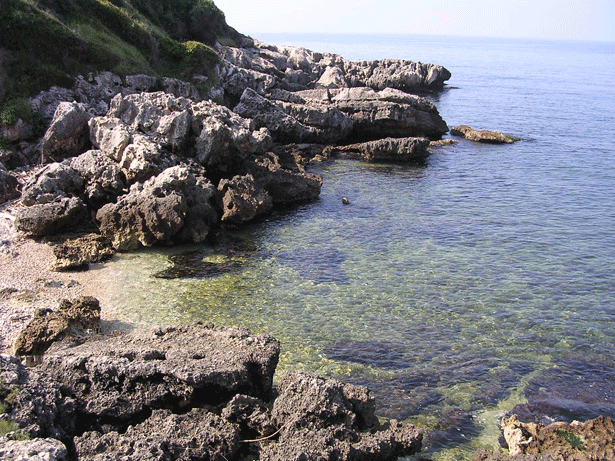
[194,391]
[264,67]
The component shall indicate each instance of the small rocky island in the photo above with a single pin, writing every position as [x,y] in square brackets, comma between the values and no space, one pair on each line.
[196,127]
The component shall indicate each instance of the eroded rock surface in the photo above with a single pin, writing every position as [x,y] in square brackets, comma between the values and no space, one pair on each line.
[592,440]
[484,136]
[396,150]
[75,318]
[123,378]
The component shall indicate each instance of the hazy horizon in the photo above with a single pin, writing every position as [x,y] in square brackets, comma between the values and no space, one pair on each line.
[542,19]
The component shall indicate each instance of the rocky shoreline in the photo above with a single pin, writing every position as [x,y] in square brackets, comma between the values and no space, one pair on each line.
[139,161]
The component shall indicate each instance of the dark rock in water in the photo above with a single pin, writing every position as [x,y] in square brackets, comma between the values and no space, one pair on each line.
[374,353]
[484,136]
[35,402]
[198,434]
[497,385]
[79,317]
[192,264]
[121,379]
[242,200]
[334,421]
[394,150]
[574,390]
[318,265]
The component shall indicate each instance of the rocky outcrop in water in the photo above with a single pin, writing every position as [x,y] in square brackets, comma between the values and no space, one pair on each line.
[194,391]
[394,150]
[484,136]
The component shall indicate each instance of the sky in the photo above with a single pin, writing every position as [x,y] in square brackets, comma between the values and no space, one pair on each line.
[547,19]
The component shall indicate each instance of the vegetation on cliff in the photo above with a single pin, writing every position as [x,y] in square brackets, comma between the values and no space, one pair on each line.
[49,42]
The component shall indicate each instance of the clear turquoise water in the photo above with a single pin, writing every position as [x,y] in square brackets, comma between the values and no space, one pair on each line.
[448,288]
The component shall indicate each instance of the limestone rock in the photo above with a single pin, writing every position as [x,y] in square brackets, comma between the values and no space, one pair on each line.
[242,199]
[175,205]
[104,180]
[55,181]
[396,150]
[282,184]
[110,135]
[68,134]
[122,378]
[295,121]
[332,420]
[19,131]
[46,102]
[197,434]
[50,218]
[484,136]
[78,253]
[224,139]
[389,113]
[8,185]
[74,318]
[35,402]
[39,449]
[592,440]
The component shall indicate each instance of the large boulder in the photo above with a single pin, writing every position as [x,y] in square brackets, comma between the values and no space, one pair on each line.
[72,318]
[388,113]
[173,206]
[124,378]
[283,184]
[104,179]
[68,134]
[61,214]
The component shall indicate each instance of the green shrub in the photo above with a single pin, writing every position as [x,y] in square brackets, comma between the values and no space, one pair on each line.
[15,109]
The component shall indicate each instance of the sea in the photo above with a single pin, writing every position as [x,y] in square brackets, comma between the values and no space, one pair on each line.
[461,290]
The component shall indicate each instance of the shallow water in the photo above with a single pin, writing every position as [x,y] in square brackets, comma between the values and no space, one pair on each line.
[456,289]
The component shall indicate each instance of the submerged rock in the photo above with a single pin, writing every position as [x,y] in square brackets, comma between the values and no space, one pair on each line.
[484,136]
